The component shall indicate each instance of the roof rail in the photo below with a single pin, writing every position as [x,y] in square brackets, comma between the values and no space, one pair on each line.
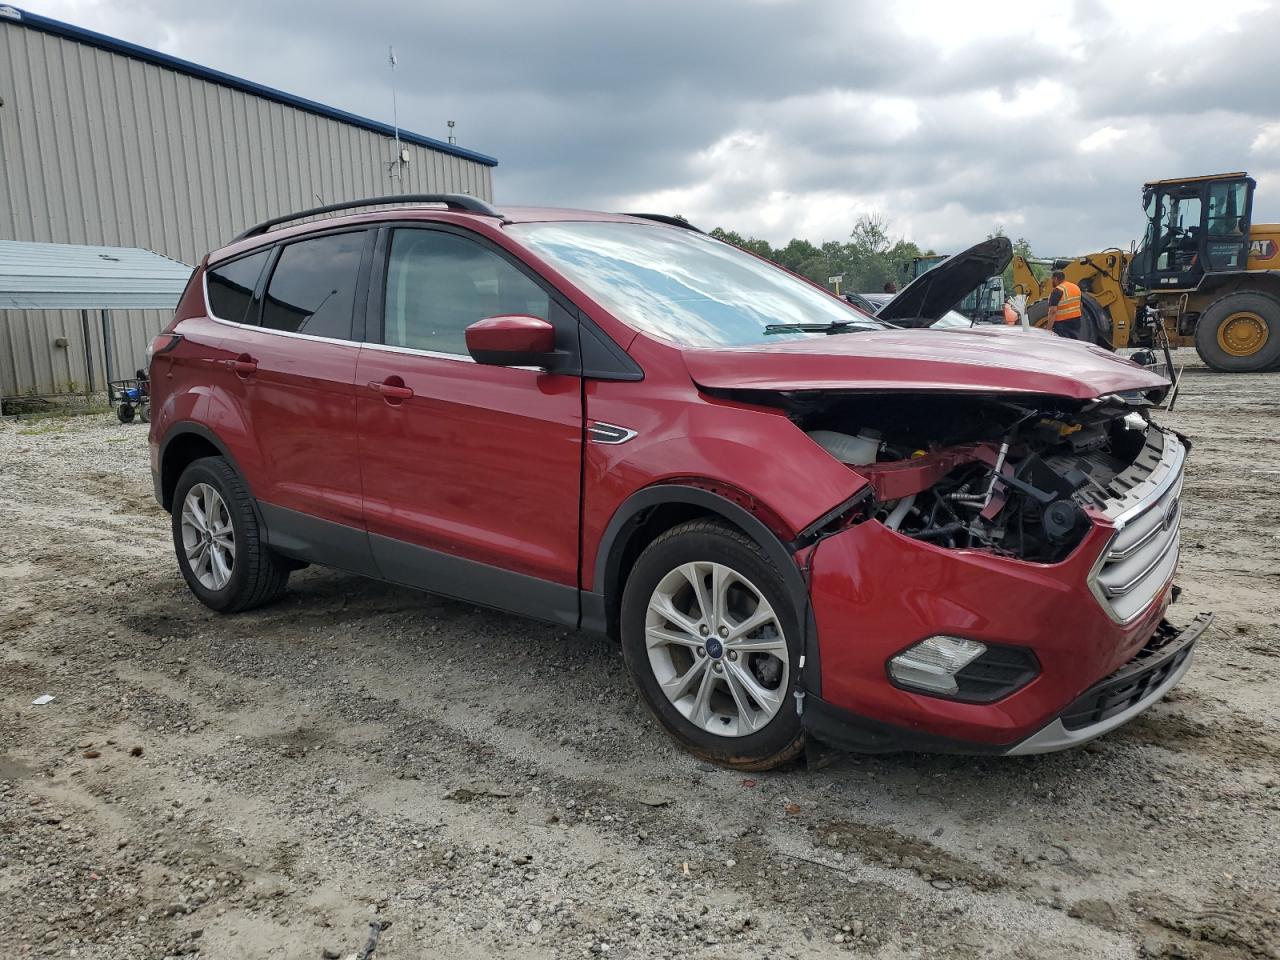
[454,201]
[665,218]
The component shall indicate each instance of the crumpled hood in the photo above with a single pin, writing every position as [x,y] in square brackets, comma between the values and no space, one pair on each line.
[978,360]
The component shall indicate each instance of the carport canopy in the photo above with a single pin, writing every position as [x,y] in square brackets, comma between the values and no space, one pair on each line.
[66,276]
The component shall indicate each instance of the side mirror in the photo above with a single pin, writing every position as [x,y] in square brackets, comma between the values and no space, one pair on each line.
[514,340]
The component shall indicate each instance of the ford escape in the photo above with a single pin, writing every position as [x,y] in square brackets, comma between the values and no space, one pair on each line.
[797,520]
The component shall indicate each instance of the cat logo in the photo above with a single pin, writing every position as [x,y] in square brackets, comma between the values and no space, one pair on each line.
[1262,249]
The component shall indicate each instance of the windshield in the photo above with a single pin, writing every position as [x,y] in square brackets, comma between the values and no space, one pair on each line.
[682,285]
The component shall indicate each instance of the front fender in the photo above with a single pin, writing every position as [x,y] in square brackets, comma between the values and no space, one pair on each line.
[756,455]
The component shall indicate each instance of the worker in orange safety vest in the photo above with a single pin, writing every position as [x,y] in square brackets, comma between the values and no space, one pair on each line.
[1064,307]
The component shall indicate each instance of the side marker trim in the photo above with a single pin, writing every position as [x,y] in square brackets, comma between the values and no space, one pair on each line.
[608,433]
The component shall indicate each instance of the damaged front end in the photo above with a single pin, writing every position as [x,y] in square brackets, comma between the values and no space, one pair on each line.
[1016,478]
[1006,569]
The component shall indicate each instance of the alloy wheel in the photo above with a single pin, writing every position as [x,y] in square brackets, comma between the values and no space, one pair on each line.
[717,649]
[208,537]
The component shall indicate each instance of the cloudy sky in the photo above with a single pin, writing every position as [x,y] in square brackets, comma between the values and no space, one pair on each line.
[783,118]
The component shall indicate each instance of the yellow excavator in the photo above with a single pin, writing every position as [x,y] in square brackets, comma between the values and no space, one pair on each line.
[1204,275]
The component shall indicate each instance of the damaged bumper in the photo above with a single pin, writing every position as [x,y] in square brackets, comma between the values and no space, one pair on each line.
[1106,705]
[1123,695]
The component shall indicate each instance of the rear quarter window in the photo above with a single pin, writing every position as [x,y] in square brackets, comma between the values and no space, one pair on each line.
[231,286]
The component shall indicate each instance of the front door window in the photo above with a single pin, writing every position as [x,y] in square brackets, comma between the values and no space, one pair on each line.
[438,284]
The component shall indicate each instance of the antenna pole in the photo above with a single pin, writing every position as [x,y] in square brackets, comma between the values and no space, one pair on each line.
[395,117]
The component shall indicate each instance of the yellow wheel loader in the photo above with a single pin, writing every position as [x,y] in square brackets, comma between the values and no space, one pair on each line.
[1204,274]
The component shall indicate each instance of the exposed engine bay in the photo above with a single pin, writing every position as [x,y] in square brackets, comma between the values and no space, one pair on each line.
[1012,476]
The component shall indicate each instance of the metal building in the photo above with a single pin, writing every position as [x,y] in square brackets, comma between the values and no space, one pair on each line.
[108,143]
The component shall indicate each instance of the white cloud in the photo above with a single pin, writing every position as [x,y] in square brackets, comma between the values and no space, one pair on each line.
[1100,139]
[1267,142]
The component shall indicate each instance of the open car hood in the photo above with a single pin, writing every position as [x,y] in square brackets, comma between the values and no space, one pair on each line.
[984,359]
[930,295]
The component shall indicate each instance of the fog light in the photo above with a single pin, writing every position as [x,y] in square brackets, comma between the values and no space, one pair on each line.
[932,664]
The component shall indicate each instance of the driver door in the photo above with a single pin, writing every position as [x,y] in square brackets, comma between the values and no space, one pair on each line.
[1229,214]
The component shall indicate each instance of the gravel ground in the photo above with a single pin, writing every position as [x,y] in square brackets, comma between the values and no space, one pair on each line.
[362,762]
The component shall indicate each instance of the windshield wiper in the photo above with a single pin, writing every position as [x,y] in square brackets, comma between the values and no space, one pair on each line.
[835,326]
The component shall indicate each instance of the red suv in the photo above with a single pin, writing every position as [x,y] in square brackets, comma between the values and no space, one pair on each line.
[797,519]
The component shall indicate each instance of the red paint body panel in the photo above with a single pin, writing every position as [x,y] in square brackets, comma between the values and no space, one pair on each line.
[179,377]
[900,478]
[876,593]
[291,422]
[482,462]
[682,434]
[979,360]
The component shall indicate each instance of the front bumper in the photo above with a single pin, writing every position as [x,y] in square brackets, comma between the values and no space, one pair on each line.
[1108,704]
[1119,698]
[874,593]
[1084,620]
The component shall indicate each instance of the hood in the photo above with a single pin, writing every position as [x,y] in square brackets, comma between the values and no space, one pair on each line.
[936,291]
[978,360]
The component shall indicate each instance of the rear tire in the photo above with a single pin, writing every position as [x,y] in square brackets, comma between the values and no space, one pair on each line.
[218,540]
[1098,323]
[718,666]
[1240,333]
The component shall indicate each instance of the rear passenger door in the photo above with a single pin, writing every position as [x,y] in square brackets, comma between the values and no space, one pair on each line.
[471,472]
[291,364]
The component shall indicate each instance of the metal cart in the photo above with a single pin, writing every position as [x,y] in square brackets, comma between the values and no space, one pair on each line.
[131,398]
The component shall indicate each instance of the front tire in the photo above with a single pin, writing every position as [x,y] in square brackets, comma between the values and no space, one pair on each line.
[712,640]
[1240,333]
[218,540]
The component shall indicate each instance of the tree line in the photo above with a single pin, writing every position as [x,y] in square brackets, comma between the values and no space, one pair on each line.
[869,259]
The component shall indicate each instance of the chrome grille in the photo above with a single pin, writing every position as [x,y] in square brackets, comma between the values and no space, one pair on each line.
[1140,559]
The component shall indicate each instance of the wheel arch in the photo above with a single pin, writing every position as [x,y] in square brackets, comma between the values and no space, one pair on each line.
[183,444]
[650,512]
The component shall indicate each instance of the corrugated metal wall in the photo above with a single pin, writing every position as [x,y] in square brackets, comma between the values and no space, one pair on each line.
[96,147]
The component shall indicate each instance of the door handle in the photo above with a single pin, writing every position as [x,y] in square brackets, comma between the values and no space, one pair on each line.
[392,391]
[243,365]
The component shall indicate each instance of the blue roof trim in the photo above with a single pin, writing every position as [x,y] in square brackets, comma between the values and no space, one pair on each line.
[123,47]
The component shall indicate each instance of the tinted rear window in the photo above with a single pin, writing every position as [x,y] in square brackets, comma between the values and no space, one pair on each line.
[231,286]
[312,288]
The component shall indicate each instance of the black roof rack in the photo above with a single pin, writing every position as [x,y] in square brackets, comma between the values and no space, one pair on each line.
[667,219]
[454,201]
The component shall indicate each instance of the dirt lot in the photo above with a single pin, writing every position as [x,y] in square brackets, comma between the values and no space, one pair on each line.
[361,759]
